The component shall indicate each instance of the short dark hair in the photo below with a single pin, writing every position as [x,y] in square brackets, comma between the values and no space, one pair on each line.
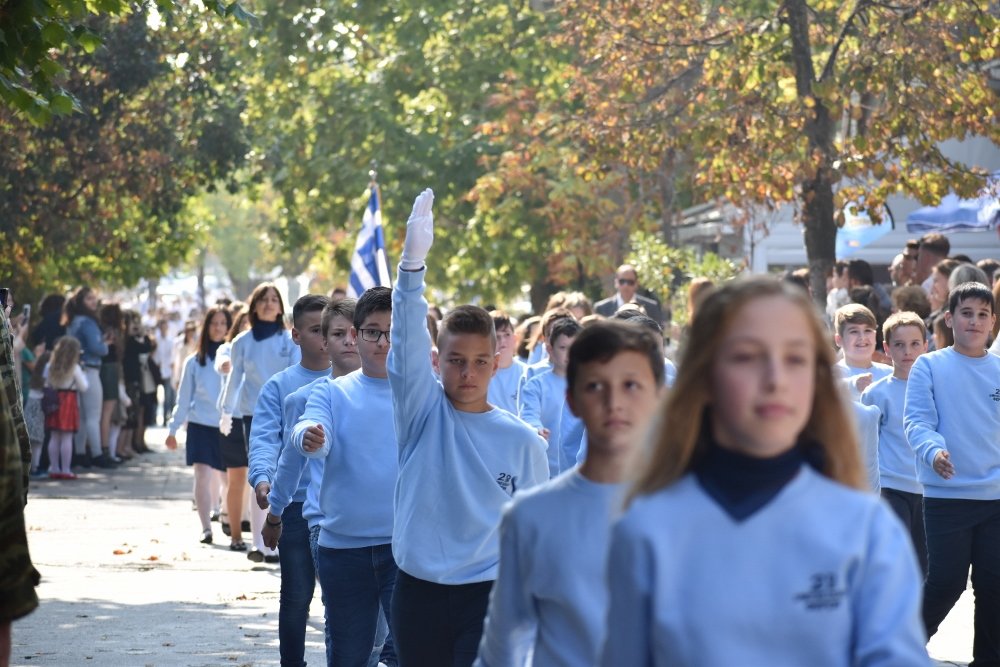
[373,300]
[965,291]
[564,327]
[644,321]
[989,267]
[308,303]
[860,270]
[602,341]
[936,242]
[343,308]
[501,320]
[468,320]
[912,298]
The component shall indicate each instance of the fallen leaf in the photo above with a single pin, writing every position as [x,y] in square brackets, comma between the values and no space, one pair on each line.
[153,558]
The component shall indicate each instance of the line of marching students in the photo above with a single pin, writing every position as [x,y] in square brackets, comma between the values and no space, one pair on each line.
[727,520]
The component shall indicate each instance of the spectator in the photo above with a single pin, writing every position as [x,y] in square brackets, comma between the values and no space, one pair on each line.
[934,247]
[627,281]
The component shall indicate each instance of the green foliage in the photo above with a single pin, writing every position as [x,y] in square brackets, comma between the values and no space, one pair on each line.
[666,271]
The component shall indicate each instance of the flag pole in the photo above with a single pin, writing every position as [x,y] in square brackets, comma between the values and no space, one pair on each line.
[373,183]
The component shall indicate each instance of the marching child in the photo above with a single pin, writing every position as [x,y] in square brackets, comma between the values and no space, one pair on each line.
[747,539]
[196,405]
[348,423]
[542,403]
[504,385]
[855,327]
[266,440]
[460,461]
[952,422]
[66,377]
[541,601]
[904,338]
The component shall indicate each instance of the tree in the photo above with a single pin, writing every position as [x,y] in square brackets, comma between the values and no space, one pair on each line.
[824,104]
[96,196]
[36,37]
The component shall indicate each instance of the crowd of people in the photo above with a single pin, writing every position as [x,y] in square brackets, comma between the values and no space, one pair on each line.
[793,487]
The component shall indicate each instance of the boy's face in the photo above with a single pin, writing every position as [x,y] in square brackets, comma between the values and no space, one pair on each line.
[373,353]
[615,400]
[467,362]
[559,353]
[505,346]
[858,343]
[905,344]
[971,324]
[341,347]
[308,334]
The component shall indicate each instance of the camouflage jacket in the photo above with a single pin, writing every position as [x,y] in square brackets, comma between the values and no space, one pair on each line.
[18,576]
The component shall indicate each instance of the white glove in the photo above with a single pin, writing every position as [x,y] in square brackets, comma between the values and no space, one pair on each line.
[419,232]
[226,424]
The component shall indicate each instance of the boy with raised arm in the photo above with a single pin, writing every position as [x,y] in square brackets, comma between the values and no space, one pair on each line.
[543,601]
[460,461]
[952,422]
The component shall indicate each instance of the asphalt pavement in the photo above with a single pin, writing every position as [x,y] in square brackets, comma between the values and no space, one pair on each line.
[126,582]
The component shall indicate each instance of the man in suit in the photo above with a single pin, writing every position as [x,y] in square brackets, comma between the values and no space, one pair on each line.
[627,282]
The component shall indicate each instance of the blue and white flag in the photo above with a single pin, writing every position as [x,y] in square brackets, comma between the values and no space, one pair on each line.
[369,267]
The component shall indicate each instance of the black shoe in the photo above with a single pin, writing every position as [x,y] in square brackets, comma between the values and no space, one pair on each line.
[256,555]
[102,461]
[225,529]
[271,559]
[81,461]
[245,526]
[206,537]
[214,516]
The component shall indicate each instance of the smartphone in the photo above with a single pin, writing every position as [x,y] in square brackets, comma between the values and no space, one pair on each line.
[4,296]
[26,314]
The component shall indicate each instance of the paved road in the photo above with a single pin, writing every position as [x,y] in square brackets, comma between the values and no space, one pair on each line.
[126,582]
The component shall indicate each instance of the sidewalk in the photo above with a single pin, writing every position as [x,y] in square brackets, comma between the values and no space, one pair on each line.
[126,582]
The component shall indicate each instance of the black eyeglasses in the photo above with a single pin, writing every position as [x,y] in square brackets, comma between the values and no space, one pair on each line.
[373,335]
[626,281]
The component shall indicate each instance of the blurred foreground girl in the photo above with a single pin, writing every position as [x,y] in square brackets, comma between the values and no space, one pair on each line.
[749,538]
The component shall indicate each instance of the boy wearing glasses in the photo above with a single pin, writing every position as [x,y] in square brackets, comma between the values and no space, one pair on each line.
[348,423]
[627,283]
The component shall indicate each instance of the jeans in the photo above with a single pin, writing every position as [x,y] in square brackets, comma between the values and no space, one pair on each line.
[298,582]
[909,507]
[169,400]
[355,583]
[437,624]
[961,533]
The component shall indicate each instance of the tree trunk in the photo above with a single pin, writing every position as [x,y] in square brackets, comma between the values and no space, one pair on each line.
[820,233]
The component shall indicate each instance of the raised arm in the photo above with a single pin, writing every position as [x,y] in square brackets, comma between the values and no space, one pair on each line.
[411,376]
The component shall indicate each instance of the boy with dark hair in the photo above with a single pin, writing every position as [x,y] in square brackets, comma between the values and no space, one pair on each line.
[542,403]
[504,385]
[855,326]
[266,440]
[952,422]
[347,423]
[542,601]
[905,340]
[460,461]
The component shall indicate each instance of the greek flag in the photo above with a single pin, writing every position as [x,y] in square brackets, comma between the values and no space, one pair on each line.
[369,267]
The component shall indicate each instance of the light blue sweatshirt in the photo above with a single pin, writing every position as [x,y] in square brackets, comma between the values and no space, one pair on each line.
[866,419]
[223,355]
[543,600]
[896,461]
[456,469]
[359,453]
[294,470]
[254,362]
[530,371]
[504,386]
[543,405]
[268,434]
[953,403]
[822,575]
[196,395]
[847,373]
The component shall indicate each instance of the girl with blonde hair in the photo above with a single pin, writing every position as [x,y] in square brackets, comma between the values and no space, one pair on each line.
[750,537]
[63,373]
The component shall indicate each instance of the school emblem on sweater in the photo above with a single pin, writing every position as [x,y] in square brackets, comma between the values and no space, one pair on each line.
[507,482]
[822,593]
[996,395]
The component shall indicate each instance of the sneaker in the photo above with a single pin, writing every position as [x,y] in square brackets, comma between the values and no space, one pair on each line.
[256,555]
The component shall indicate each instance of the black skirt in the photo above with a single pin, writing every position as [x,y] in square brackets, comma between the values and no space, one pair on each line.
[203,446]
